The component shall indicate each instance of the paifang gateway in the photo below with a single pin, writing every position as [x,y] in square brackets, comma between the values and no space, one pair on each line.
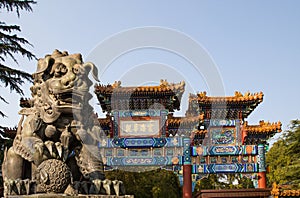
[59,128]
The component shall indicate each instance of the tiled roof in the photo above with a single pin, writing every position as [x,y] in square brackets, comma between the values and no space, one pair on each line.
[10,132]
[263,127]
[116,97]
[282,191]
[184,120]
[231,107]
[164,87]
[237,98]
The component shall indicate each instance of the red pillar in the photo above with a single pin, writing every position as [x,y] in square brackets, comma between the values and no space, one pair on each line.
[262,181]
[244,134]
[187,181]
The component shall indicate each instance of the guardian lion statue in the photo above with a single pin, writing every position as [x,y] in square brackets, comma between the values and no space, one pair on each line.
[55,148]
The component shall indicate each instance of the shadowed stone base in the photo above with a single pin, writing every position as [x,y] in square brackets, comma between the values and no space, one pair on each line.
[66,196]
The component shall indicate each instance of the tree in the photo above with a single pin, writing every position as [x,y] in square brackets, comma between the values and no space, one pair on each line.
[283,158]
[223,181]
[10,46]
[151,184]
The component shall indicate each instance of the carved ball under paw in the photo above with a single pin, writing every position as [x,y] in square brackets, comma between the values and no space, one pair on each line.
[50,131]
[54,176]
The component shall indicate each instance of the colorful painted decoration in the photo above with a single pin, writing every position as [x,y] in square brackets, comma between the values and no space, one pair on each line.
[224,150]
[222,122]
[222,136]
[225,168]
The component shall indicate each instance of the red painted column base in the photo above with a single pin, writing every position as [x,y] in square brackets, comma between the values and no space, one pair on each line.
[262,180]
[187,181]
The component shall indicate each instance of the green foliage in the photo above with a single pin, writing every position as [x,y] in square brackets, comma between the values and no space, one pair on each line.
[4,143]
[12,45]
[209,182]
[223,181]
[283,158]
[16,5]
[152,184]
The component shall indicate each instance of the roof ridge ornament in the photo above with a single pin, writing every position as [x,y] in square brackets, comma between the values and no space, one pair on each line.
[116,84]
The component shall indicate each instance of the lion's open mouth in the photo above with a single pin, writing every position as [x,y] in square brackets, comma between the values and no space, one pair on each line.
[70,98]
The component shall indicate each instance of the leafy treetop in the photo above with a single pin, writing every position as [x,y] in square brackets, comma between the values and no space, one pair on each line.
[11,45]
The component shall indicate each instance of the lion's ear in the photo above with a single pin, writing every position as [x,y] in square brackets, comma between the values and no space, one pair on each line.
[44,63]
[90,66]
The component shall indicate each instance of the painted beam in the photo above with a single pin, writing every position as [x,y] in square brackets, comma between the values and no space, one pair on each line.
[225,168]
[224,150]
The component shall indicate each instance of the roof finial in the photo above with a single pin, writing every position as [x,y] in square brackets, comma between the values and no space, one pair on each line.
[116,84]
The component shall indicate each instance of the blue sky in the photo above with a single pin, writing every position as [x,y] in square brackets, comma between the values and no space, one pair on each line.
[254,44]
